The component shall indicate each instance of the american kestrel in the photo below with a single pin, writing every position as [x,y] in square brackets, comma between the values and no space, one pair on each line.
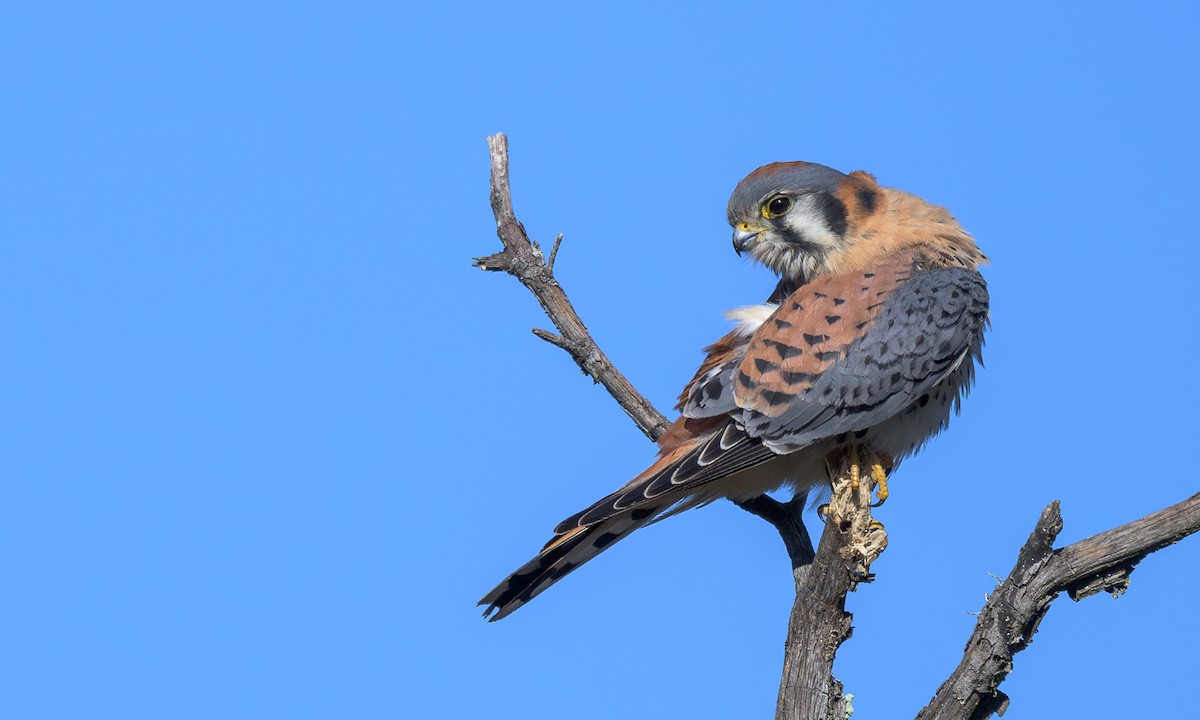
[868,341]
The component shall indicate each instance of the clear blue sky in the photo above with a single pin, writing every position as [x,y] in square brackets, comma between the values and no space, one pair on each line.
[267,436]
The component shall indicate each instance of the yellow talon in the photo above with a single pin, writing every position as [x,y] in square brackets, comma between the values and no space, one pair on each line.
[881,486]
[854,469]
[875,526]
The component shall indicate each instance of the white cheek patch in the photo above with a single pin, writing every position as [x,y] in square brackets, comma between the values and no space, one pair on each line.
[809,223]
[809,241]
[749,317]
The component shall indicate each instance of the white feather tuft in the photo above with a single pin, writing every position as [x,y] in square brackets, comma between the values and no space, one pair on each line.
[749,317]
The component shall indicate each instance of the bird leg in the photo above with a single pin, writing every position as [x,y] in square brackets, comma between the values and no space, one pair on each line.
[850,504]
[855,468]
[877,464]
[881,465]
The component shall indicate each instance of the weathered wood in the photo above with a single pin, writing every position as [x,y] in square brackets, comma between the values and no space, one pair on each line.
[1013,611]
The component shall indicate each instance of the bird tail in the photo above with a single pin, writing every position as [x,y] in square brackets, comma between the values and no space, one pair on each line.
[562,555]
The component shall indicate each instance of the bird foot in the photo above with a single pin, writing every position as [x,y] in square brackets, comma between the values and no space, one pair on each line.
[879,475]
[859,474]
[877,466]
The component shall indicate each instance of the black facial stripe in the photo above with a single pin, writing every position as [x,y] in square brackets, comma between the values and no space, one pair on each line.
[833,210]
[866,200]
[797,239]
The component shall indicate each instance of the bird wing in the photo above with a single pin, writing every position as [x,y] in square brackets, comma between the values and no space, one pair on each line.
[840,353]
[849,351]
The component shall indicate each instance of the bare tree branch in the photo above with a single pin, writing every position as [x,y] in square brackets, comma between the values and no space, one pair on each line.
[787,519]
[1013,611]
[554,252]
[851,540]
[523,260]
[819,623]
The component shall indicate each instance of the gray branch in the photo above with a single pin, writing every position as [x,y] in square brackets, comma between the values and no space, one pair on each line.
[1101,563]
[524,260]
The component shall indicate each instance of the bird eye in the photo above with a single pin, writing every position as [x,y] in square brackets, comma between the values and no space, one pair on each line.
[777,206]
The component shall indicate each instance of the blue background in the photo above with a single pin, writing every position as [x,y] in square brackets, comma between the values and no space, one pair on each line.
[267,435]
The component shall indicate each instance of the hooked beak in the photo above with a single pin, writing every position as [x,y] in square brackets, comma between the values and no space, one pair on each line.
[744,238]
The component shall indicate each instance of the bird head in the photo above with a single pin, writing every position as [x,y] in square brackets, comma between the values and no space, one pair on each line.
[793,216]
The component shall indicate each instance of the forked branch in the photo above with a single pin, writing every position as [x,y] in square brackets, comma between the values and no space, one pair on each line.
[523,259]
[1010,618]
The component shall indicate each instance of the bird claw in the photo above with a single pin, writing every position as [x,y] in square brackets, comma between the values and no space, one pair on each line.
[879,475]
[878,466]
[855,469]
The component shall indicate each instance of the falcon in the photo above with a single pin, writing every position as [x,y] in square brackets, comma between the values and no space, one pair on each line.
[867,343]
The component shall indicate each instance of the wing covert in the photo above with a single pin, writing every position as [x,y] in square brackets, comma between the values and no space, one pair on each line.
[710,392]
[813,372]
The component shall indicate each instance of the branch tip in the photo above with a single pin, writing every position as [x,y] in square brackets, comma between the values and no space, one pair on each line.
[496,262]
[556,340]
[554,252]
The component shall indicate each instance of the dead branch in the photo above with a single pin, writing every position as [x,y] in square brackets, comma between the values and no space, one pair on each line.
[523,259]
[819,623]
[1010,618]
[850,541]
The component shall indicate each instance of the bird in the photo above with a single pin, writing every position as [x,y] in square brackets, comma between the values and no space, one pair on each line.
[865,347]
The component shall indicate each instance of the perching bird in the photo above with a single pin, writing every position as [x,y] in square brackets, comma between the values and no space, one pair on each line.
[867,343]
